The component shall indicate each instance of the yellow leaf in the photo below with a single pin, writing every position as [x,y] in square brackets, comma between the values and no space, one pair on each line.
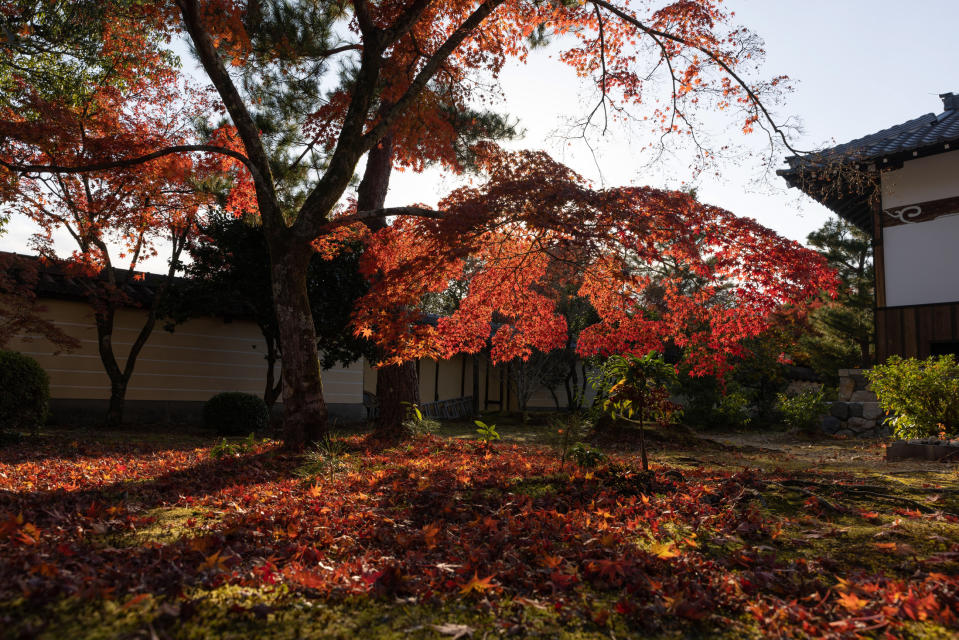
[665,550]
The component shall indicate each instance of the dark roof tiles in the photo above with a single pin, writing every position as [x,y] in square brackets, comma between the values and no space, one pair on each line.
[928,130]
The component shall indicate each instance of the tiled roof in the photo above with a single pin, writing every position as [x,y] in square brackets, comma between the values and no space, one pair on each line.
[926,135]
[929,130]
[54,281]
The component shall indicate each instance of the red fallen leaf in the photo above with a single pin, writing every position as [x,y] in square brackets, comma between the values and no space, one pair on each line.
[135,600]
[431,533]
[601,617]
[909,513]
[563,580]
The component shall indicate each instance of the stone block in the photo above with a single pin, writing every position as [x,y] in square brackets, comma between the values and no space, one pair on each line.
[863,395]
[845,432]
[871,410]
[860,380]
[857,424]
[839,410]
[846,388]
[855,409]
[903,450]
[831,424]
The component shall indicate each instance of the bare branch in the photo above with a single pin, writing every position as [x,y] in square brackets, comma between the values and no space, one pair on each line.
[712,56]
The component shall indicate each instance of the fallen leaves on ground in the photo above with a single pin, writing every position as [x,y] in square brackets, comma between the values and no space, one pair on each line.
[611,547]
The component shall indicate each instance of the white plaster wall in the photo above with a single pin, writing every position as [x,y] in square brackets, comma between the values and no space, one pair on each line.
[922,261]
[921,180]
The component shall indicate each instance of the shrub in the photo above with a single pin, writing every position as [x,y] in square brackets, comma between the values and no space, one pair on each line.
[24,392]
[224,449]
[487,432]
[586,457]
[325,458]
[803,411]
[732,411]
[924,394]
[235,414]
[636,390]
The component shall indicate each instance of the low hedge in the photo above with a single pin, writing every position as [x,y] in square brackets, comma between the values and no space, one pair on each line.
[236,414]
[24,392]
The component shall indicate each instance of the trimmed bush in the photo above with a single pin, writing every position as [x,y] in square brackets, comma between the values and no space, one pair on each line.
[803,411]
[24,392]
[236,414]
[924,395]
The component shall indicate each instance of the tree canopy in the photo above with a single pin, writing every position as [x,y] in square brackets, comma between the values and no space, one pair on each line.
[309,88]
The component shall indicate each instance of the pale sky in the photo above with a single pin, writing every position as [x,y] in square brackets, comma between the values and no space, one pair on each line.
[857,66]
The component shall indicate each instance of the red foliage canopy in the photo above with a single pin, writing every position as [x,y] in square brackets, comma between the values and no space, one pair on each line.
[658,266]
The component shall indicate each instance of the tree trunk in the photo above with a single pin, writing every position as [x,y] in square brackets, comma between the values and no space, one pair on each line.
[476,386]
[118,392]
[274,386]
[305,418]
[103,316]
[397,387]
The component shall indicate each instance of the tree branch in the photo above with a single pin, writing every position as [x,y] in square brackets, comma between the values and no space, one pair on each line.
[385,212]
[712,56]
[429,69]
[129,162]
[247,130]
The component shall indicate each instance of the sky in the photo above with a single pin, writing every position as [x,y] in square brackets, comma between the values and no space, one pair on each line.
[856,66]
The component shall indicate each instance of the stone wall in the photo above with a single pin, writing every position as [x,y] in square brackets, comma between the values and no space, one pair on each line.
[856,413]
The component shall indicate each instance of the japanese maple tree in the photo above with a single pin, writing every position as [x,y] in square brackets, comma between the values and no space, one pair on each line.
[134,102]
[676,58]
[535,222]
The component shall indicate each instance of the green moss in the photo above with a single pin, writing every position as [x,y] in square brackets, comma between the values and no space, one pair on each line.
[163,525]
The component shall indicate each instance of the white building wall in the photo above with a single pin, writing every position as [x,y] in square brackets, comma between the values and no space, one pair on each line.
[922,258]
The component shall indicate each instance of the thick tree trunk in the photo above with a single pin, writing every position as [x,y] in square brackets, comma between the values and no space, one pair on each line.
[397,387]
[305,418]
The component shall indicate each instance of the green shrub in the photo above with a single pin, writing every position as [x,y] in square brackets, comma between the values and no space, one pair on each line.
[803,411]
[224,449]
[487,432]
[324,459]
[732,411]
[923,394]
[586,457]
[24,392]
[235,414]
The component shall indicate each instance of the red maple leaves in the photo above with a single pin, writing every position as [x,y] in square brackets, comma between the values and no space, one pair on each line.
[659,268]
[400,522]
